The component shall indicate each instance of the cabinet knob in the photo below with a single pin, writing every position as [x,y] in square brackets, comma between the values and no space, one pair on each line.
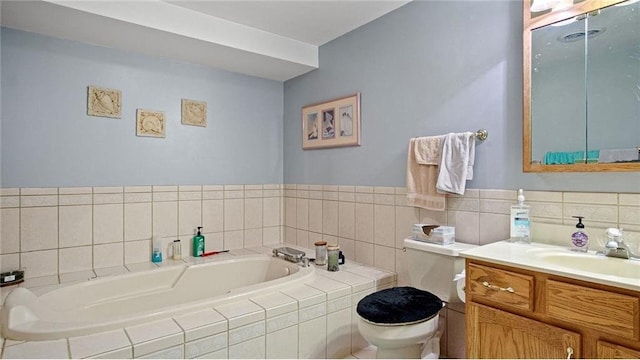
[569,352]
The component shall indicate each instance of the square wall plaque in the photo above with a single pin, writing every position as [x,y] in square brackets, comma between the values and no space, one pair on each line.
[194,112]
[150,123]
[104,102]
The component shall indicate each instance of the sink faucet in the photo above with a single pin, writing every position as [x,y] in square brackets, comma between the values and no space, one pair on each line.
[616,247]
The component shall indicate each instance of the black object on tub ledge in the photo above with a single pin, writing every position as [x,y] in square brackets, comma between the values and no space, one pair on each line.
[11,278]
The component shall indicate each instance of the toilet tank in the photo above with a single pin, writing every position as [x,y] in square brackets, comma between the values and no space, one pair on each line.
[432,267]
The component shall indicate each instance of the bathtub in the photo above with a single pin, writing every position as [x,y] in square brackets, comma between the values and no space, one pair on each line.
[118,301]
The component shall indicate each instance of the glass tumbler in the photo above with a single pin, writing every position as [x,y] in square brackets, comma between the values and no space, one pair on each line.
[321,252]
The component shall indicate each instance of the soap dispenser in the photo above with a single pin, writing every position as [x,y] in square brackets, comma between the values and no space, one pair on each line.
[198,243]
[520,231]
[579,239]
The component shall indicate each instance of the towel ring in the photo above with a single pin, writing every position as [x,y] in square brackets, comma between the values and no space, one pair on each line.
[482,134]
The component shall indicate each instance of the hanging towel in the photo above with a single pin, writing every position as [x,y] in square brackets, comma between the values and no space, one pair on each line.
[609,156]
[421,178]
[456,159]
[427,150]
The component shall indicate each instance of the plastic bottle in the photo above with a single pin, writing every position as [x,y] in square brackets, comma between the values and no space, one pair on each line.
[198,243]
[177,250]
[520,221]
[579,239]
[156,255]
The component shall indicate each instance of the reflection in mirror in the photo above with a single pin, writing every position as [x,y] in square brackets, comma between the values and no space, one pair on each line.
[585,92]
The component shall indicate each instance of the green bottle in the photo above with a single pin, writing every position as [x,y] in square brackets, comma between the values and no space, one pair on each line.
[198,243]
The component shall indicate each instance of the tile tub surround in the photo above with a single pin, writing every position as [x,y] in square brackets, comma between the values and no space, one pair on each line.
[312,320]
[51,231]
[370,223]
[55,231]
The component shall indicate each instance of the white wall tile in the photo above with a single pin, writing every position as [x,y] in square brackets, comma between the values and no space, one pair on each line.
[252,237]
[271,235]
[165,218]
[364,252]
[330,217]
[41,200]
[189,217]
[271,211]
[76,225]
[80,199]
[302,214]
[590,198]
[138,221]
[9,262]
[346,220]
[106,255]
[176,352]
[312,339]
[315,215]
[9,231]
[405,218]
[203,346]
[281,344]
[108,223]
[364,224]
[75,259]
[384,257]
[384,226]
[213,215]
[339,334]
[466,224]
[253,213]
[234,239]
[138,251]
[39,263]
[38,228]
[233,214]
[252,349]
[493,227]
[154,336]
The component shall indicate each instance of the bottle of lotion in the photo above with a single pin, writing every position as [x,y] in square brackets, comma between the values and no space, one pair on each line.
[520,221]
[579,239]
[198,243]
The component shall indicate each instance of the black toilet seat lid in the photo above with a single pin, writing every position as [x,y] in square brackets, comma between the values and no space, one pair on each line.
[399,306]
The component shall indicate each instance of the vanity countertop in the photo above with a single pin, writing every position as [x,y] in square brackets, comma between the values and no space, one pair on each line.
[561,261]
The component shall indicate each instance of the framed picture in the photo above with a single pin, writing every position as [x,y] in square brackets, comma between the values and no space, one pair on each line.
[194,112]
[332,123]
[150,123]
[104,102]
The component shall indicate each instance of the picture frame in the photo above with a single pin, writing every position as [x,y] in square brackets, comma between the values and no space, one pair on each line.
[104,102]
[333,123]
[150,123]
[194,112]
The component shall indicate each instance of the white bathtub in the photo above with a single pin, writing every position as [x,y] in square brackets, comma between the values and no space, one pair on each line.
[119,301]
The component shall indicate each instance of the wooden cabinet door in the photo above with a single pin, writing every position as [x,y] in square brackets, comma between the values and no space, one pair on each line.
[608,350]
[493,333]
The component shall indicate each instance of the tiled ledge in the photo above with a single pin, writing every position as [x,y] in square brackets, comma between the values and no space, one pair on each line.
[320,314]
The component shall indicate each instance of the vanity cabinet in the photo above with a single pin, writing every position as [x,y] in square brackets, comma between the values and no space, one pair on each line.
[519,313]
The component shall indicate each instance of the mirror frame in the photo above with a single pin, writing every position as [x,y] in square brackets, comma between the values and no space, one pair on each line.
[529,24]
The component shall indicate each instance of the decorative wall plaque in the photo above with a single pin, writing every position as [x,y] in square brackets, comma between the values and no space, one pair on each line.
[150,123]
[194,112]
[104,102]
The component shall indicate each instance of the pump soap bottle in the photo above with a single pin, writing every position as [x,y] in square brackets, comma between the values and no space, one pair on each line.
[520,224]
[579,239]
[198,243]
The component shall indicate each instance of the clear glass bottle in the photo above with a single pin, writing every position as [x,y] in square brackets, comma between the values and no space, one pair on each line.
[177,250]
[333,253]
[321,252]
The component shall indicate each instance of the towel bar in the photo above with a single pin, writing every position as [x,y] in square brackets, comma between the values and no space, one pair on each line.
[482,134]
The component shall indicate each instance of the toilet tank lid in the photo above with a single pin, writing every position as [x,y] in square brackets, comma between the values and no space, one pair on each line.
[450,250]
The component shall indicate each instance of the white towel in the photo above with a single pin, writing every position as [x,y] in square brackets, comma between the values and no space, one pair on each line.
[609,156]
[456,160]
[421,178]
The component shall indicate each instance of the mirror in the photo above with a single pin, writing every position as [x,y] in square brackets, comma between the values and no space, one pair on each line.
[582,87]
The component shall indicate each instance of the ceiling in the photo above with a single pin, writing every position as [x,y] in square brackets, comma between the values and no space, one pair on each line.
[276,40]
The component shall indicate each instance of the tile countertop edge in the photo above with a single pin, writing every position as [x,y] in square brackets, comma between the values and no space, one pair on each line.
[514,255]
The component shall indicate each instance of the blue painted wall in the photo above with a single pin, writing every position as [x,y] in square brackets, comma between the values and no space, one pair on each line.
[48,140]
[428,68]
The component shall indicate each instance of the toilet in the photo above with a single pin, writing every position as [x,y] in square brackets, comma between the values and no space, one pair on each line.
[402,322]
